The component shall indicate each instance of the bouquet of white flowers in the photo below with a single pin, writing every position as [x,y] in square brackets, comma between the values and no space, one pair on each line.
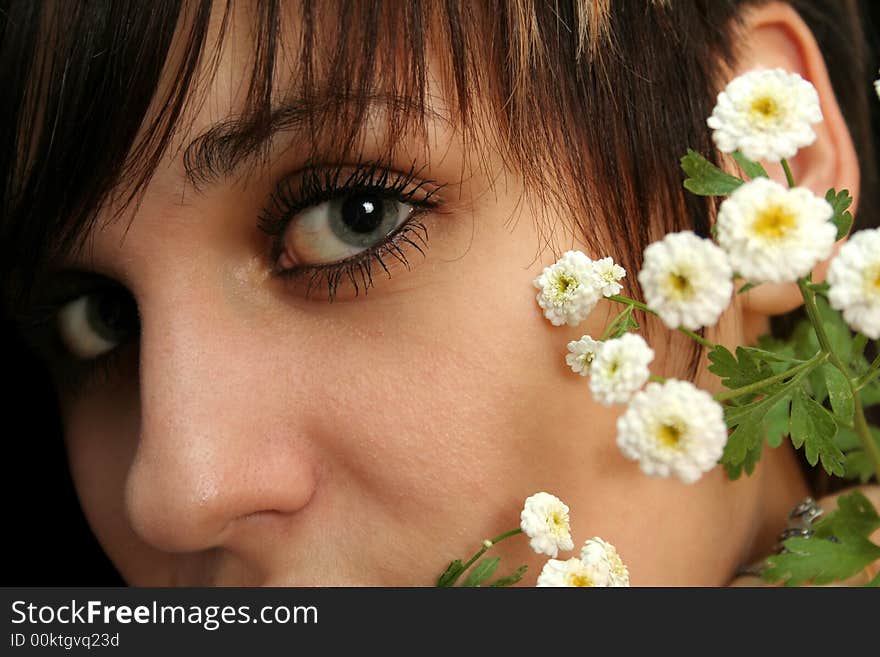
[812,388]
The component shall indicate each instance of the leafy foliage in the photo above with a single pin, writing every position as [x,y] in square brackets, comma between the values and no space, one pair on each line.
[623,323]
[752,169]
[510,579]
[838,550]
[482,571]
[704,178]
[740,370]
[451,574]
[813,427]
[839,393]
[840,202]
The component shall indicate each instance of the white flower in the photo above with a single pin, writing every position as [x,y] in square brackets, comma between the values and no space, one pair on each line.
[854,277]
[568,292]
[774,234]
[544,519]
[573,572]
[582,353]
[597,551]
[607,276]
[620,368]
[686,280]
[673,428]
[766,114]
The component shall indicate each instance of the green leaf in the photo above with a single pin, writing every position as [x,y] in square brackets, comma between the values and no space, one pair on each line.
[510,579]
[804,340]
[839,393]
[451,574]
[857,465]
[740,447]
[854,516]
[482,571]
[751,169]
[840,202]
[784,349]
[818,387]
[768,356]
[838,549]
[704,178]
[777,422]
[813,427]
[623,323]
[747,287]
[847,439]
[820,561]
[737,371]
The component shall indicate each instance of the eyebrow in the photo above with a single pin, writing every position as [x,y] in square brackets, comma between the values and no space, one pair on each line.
[236,142]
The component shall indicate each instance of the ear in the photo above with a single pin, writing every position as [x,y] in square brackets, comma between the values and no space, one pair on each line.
[775,36]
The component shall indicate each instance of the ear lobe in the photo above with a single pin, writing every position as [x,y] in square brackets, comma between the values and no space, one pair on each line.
[775,36]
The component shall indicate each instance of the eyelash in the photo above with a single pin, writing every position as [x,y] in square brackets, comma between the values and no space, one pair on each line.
[316,186]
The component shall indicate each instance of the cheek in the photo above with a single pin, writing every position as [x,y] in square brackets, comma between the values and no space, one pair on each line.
[460,398]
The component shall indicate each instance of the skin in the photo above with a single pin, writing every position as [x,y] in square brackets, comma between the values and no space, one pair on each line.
[256,437]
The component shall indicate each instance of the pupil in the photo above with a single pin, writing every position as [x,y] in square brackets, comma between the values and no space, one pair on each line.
[362,213]
[114,314]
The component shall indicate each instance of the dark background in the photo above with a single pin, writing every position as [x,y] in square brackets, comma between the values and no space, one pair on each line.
[46,541]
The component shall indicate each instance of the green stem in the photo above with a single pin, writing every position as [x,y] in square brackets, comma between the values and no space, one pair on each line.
[788,176]
[872,373]
[638,304]
[493,541]
[859,422]
[657,379]
[813,313]
[770,380]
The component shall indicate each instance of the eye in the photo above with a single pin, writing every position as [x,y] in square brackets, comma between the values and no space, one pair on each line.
[340,225]
[94,324]
[341,228]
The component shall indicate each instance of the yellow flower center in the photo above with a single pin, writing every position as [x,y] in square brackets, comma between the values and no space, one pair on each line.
[872,280]
[774,222]
[579,579]
[557,522]
[765,107]
[669,434]
[680,285]
[565,283]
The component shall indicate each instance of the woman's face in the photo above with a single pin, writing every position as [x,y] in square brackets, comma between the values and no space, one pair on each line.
[257,435]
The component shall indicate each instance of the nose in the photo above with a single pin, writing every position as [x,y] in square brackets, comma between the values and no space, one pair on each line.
[221,438]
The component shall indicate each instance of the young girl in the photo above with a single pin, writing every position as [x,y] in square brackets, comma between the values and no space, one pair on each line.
[278,258]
